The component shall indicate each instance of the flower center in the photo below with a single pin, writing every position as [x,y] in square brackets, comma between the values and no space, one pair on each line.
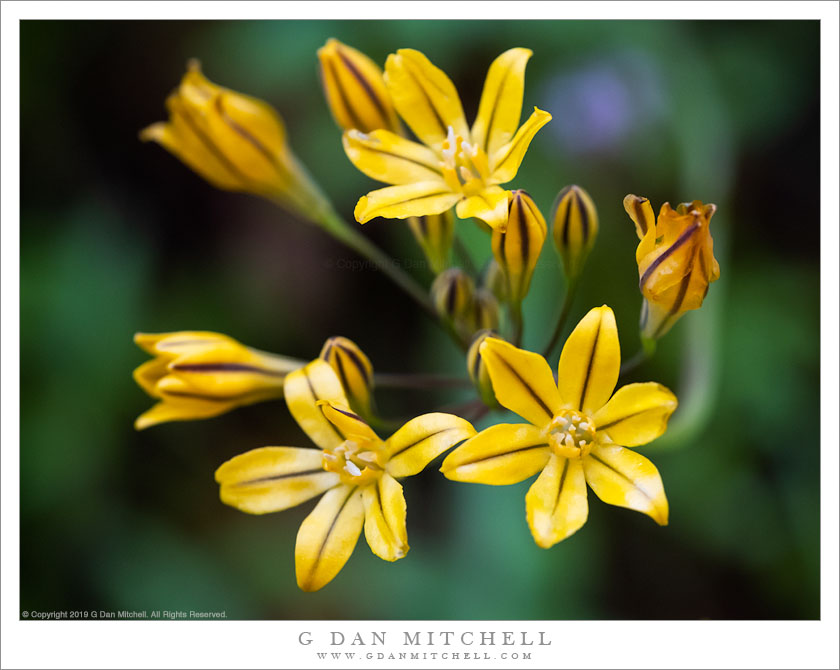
[465,167]
[358,460]
[571,434]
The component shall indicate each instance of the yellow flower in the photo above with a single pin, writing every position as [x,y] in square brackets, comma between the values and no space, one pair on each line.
[355,89]
[236,142]
[517,248]
[355,470]
[676,260]
[197,375]
[575,228]
[576,435]
[455,164]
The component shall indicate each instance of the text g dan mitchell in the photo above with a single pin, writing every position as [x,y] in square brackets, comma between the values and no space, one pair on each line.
[428,638]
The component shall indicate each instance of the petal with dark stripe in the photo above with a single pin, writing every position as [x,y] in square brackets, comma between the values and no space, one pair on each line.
[424,96]
[590,361]
[385,516]
[346,422]
[404,200]
[641,212]
[556,504]
[303,389]
[387,157]
[423,439]
[501,100]
[625,478]
[502,454]
[522,381]
[505,162]
[636,414]
[327,537]
[271,479]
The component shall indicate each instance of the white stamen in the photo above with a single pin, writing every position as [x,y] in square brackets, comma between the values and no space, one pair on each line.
[351,467]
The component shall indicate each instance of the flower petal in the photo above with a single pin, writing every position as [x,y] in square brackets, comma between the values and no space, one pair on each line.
[183,409]
[355,88]
[328,536]
[505,453]
[625,478]
[590,361]
[180,342]
[505,162]
[491,206]
[303,389]
[385,156]
[556,503]
[522,381]
[641,212]
[636,414]
[385,518]
[184,137]
[424,96]
[150,373]
[400,202]
[423,439]
[271,479]
[346,422]
[501,100]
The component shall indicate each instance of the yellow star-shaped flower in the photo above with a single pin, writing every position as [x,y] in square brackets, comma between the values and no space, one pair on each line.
[355,470]
[577,435]
[455,164]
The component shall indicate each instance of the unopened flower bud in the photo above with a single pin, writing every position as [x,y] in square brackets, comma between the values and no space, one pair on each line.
[453,293]
[197,375]
[477,369]
[485,311]
[354,371]
[518,248]
[434,234]
[493,279]
[575,222]
[235,142]
[675,258]
[355,89]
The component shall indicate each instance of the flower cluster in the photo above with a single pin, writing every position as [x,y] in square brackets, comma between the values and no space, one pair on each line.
[404,125]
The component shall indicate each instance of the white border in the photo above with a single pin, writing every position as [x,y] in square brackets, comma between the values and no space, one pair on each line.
[274,644]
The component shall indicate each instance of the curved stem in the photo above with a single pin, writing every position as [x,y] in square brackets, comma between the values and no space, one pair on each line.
[463,255]
[564,315]
[350,236]
[644,353]
[419,381]
[518,323]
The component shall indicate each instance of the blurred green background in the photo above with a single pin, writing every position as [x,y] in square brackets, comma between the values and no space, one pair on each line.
[118,237]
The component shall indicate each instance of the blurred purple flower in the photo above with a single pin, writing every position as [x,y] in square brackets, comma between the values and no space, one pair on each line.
[600,105]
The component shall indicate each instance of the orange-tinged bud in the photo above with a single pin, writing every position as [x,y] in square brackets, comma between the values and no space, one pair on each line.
[675,258]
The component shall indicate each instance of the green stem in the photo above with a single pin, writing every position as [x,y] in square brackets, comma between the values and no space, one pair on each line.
[647,350]
[564,315]
[463,255]
[419,381]
[518,323]
[350,236]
